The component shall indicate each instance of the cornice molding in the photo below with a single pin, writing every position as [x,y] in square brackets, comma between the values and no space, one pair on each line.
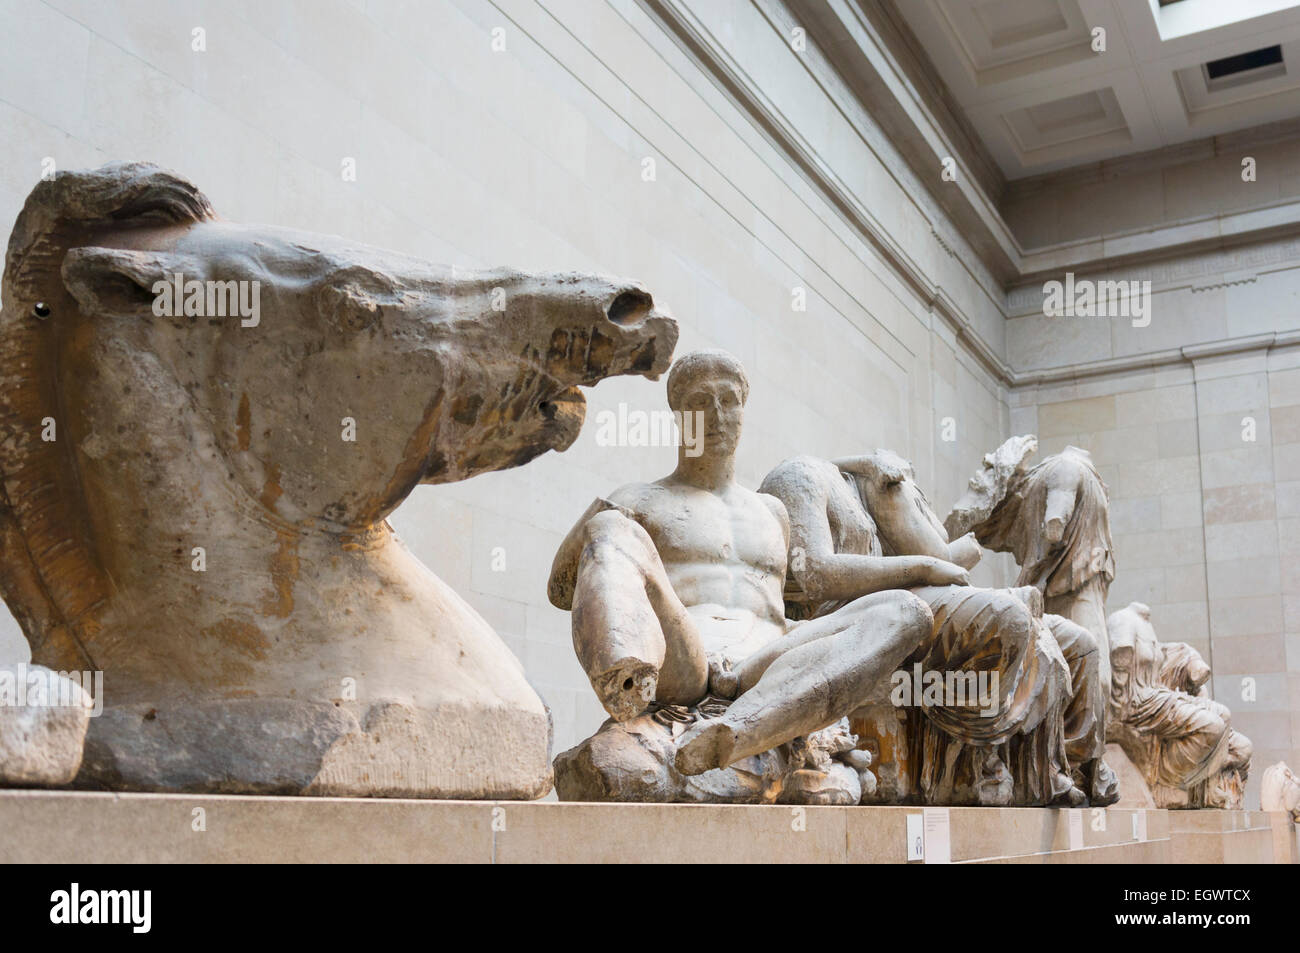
[1189,354]
[696,41]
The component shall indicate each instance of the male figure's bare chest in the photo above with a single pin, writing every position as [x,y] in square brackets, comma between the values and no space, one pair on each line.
[697,526]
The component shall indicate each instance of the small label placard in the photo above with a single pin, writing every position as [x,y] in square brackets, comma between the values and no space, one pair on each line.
[938,847]
[1139,825]
[915,837]
[1074,820]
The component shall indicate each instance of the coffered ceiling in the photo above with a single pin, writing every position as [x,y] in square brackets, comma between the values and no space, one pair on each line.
[1026,75]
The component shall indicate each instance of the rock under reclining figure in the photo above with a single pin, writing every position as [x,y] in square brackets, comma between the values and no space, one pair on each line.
[676,592]
[861,524]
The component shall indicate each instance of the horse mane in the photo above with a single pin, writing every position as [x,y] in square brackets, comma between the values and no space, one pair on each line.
[50,574]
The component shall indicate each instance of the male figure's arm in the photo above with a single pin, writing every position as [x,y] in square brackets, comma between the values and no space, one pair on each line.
[633,637]
[564,568]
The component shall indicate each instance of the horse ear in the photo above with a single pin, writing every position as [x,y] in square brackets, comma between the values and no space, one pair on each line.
[117,281]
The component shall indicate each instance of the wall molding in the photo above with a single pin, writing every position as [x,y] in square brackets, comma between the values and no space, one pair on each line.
[1182,250]
[1271,341]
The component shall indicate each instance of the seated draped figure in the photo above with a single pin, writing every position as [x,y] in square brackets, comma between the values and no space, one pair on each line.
[1161,714]
[1017,711]
[676,591]
[203,427]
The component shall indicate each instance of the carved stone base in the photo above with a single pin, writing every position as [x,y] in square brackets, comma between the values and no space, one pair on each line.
[289,746]
[1133,790]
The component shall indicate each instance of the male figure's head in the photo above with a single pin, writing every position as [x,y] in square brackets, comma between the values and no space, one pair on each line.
[707,390]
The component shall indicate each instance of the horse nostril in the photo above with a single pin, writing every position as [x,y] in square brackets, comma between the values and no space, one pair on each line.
[630,307]
[548,409]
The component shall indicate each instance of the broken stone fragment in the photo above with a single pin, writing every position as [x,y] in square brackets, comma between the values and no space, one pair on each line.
[43,721]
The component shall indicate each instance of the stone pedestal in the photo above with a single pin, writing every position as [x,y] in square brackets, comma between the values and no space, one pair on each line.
[85,827]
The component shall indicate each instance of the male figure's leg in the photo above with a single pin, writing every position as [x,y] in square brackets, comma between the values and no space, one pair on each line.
[634,638]
[814,675]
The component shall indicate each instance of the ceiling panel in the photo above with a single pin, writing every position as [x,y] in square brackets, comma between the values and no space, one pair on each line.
[1042,99]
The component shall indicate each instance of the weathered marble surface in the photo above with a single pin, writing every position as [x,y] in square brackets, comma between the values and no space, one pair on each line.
[676,592]
[1055,519]
[43,719]
[1279,790]
[862,523]
[195,504]
[990,484]
[1162,716]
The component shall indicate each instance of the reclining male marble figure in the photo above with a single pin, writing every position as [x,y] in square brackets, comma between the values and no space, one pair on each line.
[861,524]
[676,592]
[195,504]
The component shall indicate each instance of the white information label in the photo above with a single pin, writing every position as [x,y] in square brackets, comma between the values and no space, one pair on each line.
[938,848]
[1139,825]
[1074,819]
[915,837]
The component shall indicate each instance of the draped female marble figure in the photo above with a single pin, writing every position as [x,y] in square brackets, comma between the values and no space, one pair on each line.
[1180,739]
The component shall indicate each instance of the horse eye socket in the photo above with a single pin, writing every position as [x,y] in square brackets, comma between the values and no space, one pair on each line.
[42,310]
[361,316]
[351,308]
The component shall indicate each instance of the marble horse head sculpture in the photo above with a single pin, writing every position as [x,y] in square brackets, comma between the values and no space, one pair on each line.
[203,426]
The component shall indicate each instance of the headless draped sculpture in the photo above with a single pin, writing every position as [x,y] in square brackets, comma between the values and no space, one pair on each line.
[1180,739]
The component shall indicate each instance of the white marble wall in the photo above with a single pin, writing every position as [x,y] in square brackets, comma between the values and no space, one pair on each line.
[1199,181]
[533,156]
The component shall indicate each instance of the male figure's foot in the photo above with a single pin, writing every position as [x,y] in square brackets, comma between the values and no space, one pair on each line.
[705,745]
[1074,797]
